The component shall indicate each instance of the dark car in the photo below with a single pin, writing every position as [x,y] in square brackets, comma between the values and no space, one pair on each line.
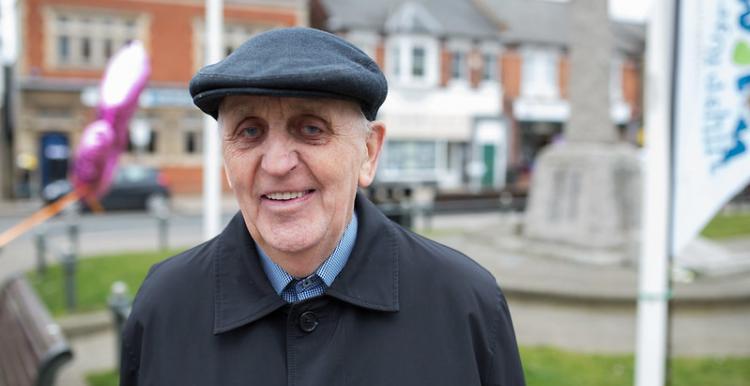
[137,187]
[134,187]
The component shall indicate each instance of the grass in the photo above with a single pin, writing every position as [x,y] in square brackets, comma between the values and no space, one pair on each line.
[543,366]
[546,366]
[728,225]
[94,278]
[104,378]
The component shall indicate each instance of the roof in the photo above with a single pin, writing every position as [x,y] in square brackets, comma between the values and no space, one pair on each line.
[520,21]
[460,18]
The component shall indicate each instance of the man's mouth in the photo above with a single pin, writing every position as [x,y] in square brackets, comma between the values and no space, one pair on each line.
[286,196]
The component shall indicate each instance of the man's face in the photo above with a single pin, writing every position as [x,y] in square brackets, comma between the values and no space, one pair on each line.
[294,165]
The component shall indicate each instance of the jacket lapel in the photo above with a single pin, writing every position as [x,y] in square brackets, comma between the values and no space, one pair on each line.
[370,277]
[242,293]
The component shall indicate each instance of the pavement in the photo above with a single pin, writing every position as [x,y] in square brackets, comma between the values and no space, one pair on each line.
[576,306]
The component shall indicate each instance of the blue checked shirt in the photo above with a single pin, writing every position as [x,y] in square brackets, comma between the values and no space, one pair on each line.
[294,290]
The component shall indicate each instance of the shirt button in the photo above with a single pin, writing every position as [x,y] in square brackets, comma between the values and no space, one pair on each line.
[308,321]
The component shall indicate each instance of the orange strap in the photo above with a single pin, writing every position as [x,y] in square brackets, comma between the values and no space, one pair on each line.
[37,218]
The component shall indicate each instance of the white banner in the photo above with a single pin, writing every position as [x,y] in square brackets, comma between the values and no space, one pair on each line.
[711,139]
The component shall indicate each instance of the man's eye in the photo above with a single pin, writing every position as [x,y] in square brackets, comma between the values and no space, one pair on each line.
[311,131]
[251,132]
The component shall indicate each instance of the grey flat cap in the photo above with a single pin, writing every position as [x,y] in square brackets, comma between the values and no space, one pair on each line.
[293,62]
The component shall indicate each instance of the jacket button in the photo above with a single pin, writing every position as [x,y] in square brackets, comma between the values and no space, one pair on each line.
[308,321]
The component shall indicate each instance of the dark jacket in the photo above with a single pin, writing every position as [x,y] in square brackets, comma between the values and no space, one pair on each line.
[404,311]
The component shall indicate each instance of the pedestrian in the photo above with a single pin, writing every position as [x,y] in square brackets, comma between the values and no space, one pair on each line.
[310,284]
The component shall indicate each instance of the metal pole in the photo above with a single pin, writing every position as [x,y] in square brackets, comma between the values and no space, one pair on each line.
[69,270]
[653,286]
[119,304]
[41,251]
[211,165]
[163,231]
[72,218]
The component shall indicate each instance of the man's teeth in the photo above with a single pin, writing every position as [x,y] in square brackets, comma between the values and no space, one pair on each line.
[285,195]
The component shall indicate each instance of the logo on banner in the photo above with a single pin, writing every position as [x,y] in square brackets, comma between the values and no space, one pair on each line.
[726,146]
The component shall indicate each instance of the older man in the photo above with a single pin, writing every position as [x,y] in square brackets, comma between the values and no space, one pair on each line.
[310,284]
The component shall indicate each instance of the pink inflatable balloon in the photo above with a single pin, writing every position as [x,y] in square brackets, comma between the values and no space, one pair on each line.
[106,138]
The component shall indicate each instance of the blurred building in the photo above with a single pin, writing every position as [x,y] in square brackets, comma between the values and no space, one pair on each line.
[443,111]
[477,87]
[535,68]
[65,48]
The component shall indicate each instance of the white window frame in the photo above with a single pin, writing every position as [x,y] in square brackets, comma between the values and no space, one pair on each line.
[459,66]
[464,47]
[492,49]
[95,27]
[400,68]
[540,72]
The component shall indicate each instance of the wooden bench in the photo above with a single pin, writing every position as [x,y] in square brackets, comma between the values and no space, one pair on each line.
[32,346]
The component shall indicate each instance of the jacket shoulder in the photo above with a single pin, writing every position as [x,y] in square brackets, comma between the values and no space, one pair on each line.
[435,263]
[178,275]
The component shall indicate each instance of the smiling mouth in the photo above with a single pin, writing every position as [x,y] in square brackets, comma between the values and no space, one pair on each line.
[286,196]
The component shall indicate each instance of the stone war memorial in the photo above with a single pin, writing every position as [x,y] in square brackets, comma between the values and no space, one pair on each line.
[574,255]
[585,194]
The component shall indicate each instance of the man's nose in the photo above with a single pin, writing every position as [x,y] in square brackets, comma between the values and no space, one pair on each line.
[280,157]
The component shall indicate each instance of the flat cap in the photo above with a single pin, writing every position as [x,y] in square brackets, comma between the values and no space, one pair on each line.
[293,62]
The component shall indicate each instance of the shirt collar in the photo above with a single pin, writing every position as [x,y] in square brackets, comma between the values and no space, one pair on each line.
[243,293]
[327,271]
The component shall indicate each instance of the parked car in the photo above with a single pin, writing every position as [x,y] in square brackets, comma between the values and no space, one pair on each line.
[137,187]
[134,187]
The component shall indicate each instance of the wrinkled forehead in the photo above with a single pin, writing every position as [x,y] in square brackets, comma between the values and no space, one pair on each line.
[268,106]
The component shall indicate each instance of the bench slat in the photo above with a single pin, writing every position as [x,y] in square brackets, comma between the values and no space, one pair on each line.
[32,346]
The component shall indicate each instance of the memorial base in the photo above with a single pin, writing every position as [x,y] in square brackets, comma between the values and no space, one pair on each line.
[585,203]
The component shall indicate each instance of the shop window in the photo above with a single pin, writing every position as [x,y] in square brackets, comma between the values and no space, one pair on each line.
[410,155]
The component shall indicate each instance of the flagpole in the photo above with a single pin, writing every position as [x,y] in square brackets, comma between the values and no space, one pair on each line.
[653,285]
[211,165]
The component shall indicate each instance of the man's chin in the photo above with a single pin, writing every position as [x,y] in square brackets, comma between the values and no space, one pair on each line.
[293,241]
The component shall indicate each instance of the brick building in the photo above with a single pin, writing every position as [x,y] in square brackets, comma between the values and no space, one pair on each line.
[65,47]
[477,87]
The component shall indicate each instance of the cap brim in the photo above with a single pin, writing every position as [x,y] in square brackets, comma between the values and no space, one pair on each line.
[209,101]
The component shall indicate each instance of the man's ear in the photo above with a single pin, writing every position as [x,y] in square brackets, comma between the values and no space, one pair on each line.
[373,146]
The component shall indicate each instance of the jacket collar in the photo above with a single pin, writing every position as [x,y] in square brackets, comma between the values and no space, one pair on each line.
[370,277]
[242,293]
